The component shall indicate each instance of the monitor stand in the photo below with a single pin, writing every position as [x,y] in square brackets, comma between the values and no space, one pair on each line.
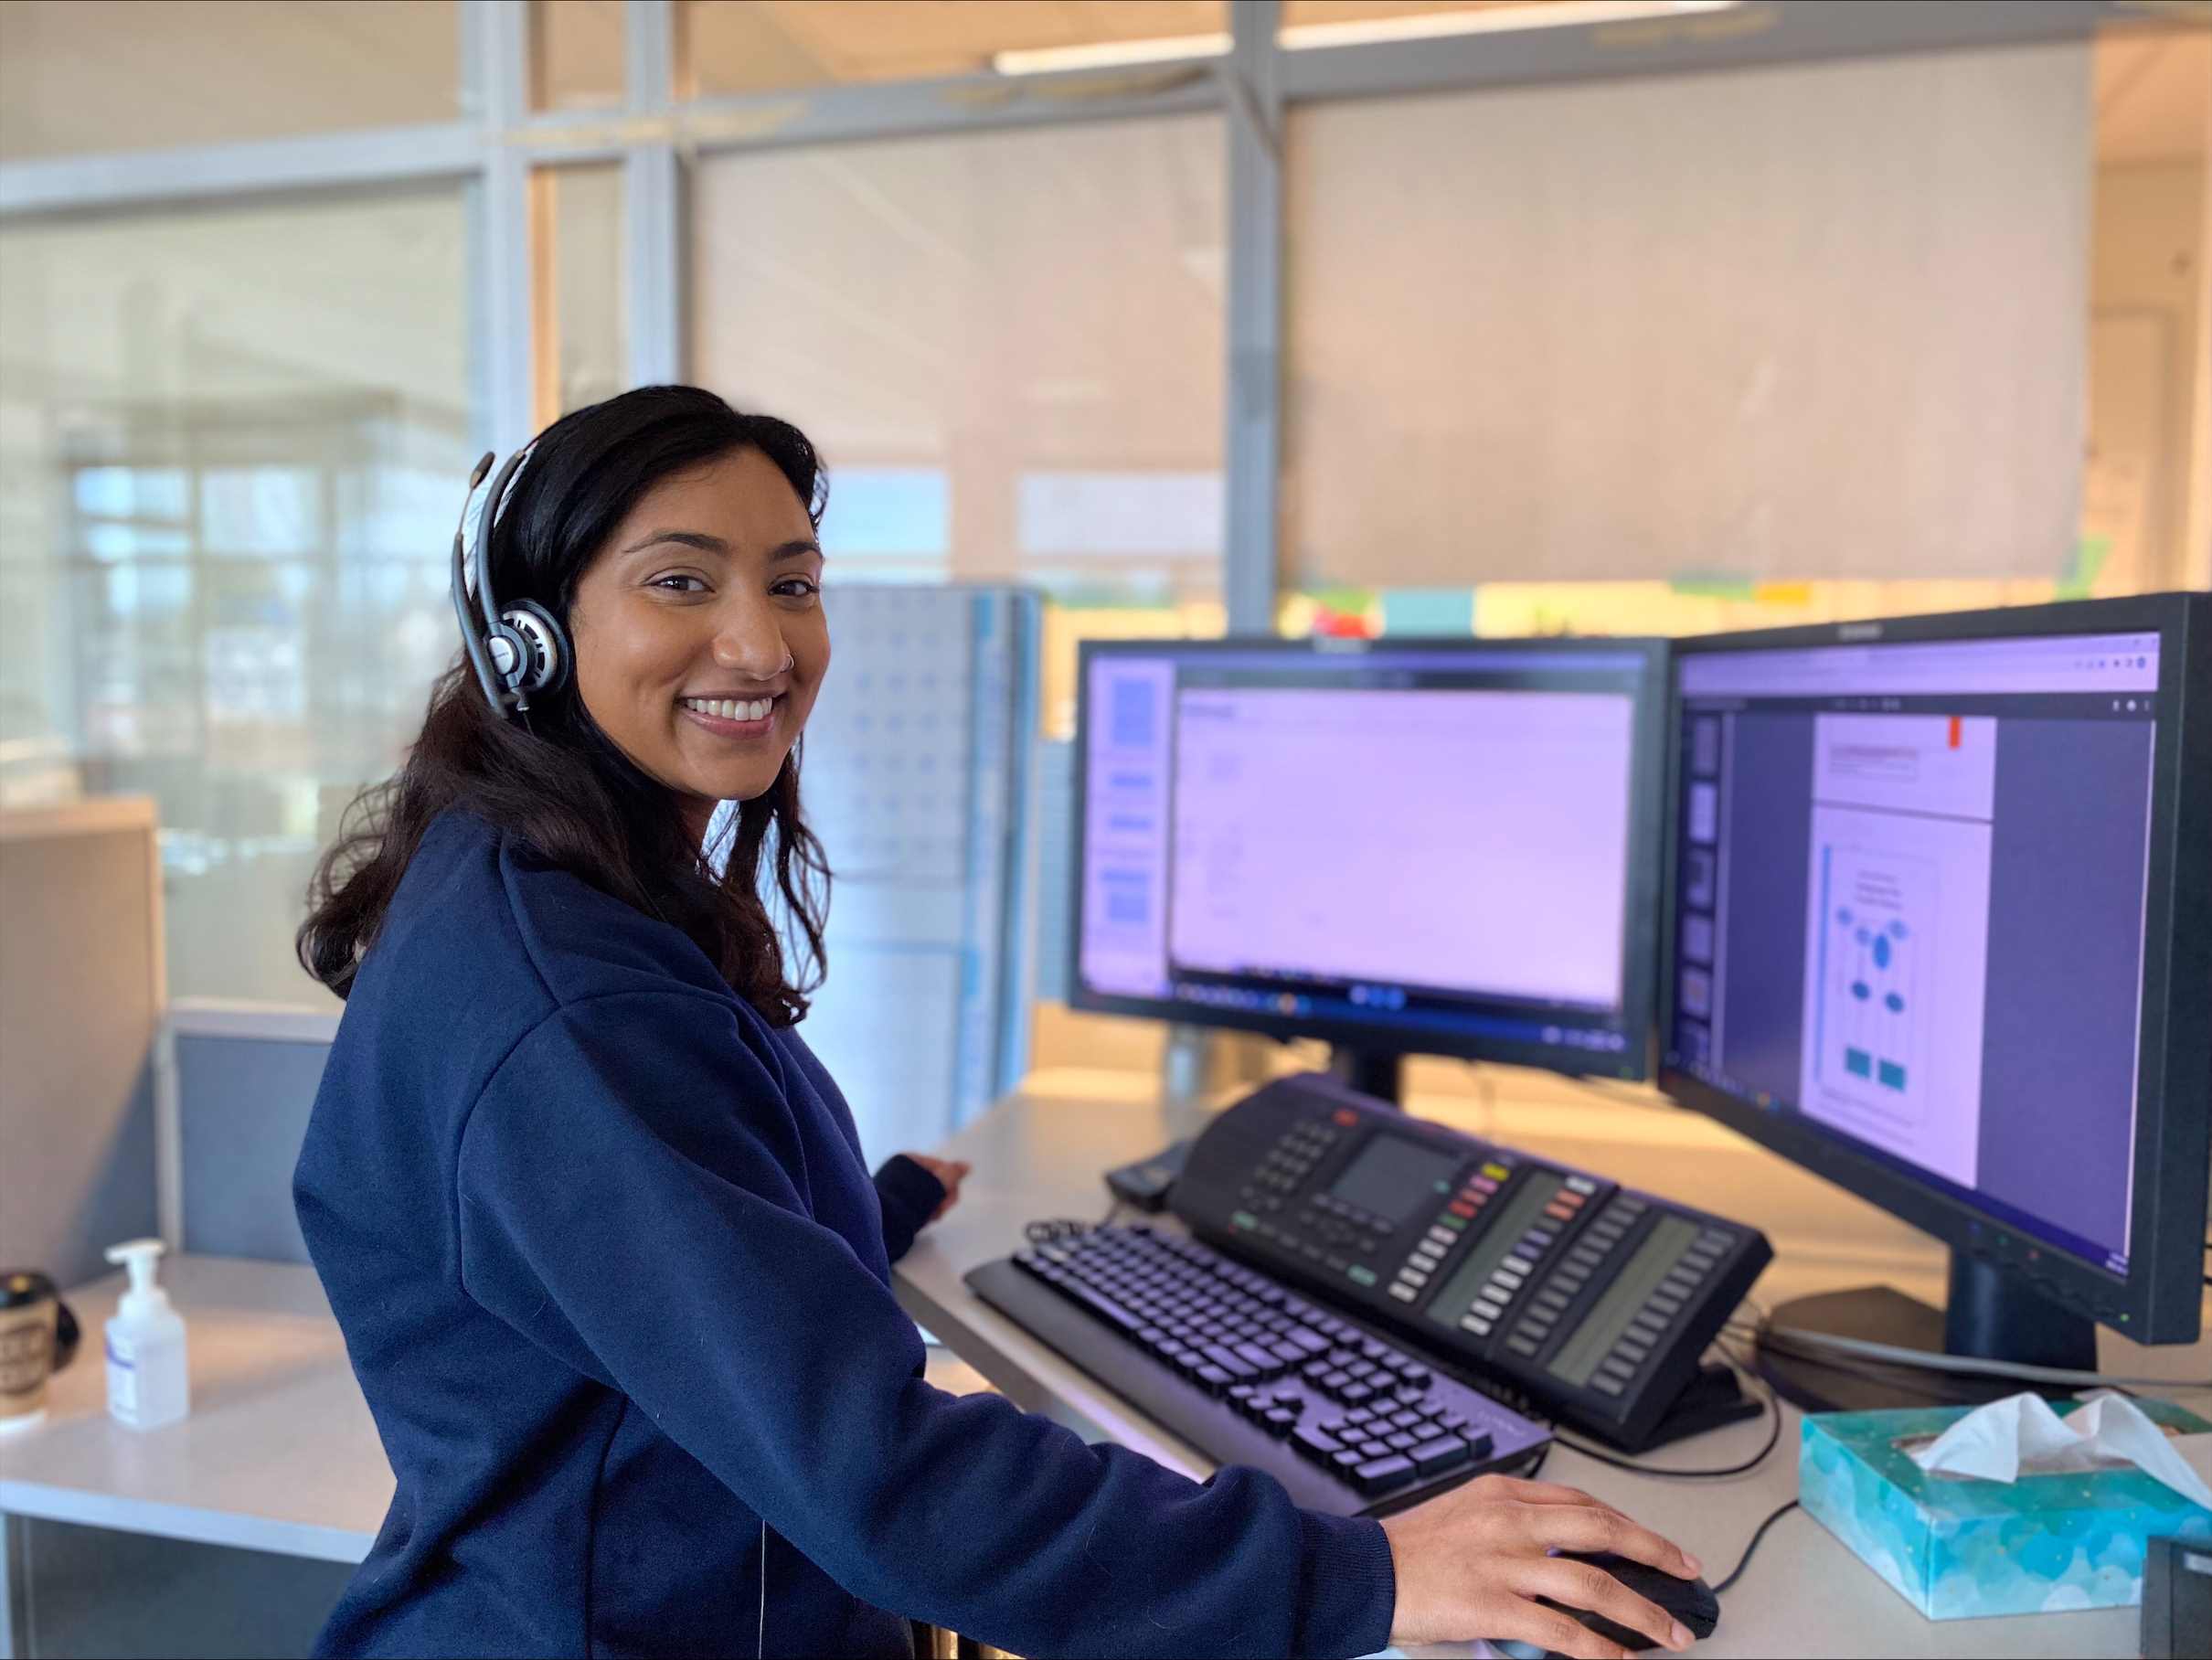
[1376,1072]
[1991,1314]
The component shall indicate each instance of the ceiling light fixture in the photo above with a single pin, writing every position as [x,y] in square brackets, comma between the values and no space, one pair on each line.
[1357,31]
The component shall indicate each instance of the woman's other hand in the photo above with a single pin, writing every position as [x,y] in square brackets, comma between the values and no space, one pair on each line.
[1473,1563]
[947,1171]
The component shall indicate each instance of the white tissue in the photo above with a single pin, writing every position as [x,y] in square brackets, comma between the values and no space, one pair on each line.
[2020,1435]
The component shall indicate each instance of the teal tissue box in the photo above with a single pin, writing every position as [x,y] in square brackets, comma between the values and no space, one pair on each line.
[1956,1549]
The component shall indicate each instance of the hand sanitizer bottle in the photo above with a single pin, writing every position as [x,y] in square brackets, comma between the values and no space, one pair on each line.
[147,1384]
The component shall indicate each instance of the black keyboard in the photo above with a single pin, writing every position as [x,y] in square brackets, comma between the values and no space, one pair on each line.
[1249,1373]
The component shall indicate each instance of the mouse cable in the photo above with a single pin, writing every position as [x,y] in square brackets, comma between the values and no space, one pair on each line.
[1757,1534]
[1752,1463]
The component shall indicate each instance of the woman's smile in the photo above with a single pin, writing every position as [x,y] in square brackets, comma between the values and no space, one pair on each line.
[734,717]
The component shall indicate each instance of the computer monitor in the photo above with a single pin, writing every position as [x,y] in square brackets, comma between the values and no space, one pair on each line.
[1431,845]
[1938,929]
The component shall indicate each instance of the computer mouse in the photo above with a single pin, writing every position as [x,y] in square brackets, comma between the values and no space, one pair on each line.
[1692,1601]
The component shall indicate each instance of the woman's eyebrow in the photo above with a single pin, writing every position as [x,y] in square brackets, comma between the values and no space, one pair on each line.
[806,548]
[688,539]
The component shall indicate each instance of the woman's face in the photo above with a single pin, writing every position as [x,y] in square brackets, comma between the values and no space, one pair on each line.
[700,639]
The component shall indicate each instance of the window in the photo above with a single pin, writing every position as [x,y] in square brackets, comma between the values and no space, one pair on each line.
[1534,501]
[100,75]
[579,300]
[231,443]
[1009,348]
[576,54]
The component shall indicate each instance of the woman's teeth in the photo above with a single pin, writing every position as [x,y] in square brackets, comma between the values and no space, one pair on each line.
[732,709]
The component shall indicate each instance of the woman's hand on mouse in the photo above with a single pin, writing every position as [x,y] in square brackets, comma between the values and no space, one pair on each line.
[947,1171]
[1473,1563]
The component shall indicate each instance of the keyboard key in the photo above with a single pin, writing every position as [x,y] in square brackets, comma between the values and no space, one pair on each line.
[1414,1372]
[1351,1394]
[1213,1378]
[1608,1385]
[1399,1442]
[1405,1293]
[1614,1366]
[1475,1324]
[1443,1454]
[1379,1475]
[1309,1341]
[1334,1381]
[1263,1363]
[1629,1349]
[1404,1419]
[1280,1421]
[1521,1346]
[1106,1309]
[1285,1353]
[1229,1361]
[1359,1415]
[1661,1304]
[1346,1464]
[1315,1445]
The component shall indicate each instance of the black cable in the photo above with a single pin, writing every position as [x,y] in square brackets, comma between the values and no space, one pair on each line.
[1760,1533]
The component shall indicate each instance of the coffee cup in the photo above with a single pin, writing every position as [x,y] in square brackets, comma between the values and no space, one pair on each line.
[38,1338]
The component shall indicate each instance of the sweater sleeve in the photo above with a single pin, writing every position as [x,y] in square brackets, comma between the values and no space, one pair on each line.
[623,1201]
[908,1195]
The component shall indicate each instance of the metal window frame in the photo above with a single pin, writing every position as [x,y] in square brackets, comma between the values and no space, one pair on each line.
[500,141]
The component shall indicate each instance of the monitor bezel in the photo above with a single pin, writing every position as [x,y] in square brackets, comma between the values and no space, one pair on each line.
[2159,1298]
[1647,783]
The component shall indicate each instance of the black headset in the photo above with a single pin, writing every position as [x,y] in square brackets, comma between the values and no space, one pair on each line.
[520,651]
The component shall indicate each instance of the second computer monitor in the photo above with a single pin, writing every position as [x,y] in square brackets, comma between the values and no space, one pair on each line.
[1434,846]
[1941,913]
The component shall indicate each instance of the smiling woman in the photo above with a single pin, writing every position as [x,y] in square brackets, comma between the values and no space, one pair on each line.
[673,537]
[700,636]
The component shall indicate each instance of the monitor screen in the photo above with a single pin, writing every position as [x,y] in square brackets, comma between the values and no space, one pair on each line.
[1909,909]
[1422,847]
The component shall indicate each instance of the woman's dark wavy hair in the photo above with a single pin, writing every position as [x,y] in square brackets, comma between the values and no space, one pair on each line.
[560,782]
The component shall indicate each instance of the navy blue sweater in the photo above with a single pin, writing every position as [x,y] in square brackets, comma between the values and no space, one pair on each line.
[616,1284]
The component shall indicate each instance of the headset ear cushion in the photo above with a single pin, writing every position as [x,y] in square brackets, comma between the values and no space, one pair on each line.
[546,656]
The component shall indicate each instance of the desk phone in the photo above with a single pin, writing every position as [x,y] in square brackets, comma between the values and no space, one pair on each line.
[1595,1301]
[1339,1252]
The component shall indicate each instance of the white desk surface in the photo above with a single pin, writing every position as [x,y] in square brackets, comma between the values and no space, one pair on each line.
[278,1453]
[1041,1156]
